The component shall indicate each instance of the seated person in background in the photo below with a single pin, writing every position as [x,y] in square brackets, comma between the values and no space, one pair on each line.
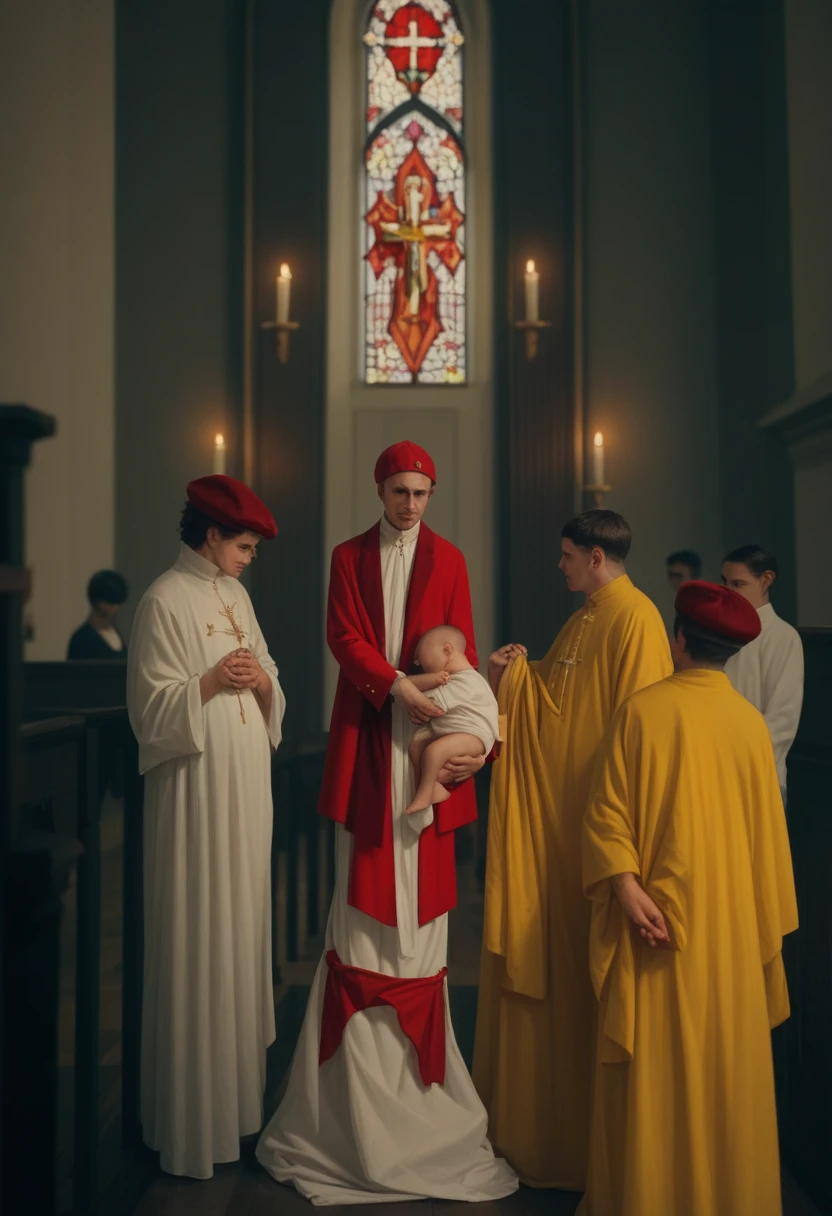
[683,567]
[468,725]
[98,637]
[769,671]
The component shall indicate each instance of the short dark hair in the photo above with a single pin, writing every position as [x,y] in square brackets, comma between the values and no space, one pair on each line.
[107,587]
[755,557]
[704,646]
[603,530]
[193,527]
[686,557]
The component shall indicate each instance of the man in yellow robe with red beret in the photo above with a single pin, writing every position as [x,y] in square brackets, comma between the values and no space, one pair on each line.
[686,861]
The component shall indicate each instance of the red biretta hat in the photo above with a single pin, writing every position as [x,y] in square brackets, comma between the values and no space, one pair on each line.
[232,504]
[404,457]
[719,610]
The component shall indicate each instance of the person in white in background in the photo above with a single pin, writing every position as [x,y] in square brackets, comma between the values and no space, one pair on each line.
[769,671]
[206,707]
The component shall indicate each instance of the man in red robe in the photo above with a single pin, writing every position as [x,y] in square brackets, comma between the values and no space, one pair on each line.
[379,1101]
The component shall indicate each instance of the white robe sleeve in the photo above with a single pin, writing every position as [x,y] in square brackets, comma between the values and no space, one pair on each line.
[164,700]
[260,650]
[782,690]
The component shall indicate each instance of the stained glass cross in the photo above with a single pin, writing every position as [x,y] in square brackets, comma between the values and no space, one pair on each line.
[413,42]
[417,234]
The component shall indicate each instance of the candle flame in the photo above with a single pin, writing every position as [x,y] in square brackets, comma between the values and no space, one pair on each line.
[530,267]
[219,440]
[598,440]
[285,272]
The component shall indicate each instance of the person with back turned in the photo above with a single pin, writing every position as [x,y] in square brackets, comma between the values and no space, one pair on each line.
[687,866]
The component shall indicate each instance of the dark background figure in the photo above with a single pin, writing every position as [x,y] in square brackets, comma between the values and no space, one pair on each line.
[682,567]
[98,637]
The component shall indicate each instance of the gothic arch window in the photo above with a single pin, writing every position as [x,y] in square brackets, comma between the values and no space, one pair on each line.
[413,220]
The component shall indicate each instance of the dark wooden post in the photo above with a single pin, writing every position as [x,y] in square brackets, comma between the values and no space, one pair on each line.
[33,873]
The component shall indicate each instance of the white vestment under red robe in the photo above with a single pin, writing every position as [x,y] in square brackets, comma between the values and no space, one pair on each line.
[360,1121]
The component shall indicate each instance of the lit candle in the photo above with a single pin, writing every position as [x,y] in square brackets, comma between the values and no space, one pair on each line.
[598,459]
[284,288]
[219,453]
[532,284]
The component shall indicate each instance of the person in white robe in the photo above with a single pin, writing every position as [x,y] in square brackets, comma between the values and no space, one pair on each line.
[206,706]
[363,1126]
[769,671]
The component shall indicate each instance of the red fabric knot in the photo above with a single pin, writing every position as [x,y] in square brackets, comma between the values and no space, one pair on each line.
[419,1004]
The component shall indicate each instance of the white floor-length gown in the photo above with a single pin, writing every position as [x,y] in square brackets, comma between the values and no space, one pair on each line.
[363,1127]
[208,1007]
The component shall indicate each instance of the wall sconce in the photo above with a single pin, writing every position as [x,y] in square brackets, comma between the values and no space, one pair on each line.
[532,324]
[282,325]
[599,487]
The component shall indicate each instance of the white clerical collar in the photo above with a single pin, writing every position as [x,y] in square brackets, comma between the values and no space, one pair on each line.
[194,563]
[391,535]
[766,614]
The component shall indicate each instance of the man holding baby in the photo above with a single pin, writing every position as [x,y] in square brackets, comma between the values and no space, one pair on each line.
[379,1101]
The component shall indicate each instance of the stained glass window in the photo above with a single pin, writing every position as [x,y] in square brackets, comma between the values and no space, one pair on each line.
[414,172]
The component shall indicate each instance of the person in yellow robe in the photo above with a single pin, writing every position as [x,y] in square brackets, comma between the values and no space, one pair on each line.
[686,861]
[535,1032]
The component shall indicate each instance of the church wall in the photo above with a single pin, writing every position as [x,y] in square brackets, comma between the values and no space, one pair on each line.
[56,303]
[809,80]
[753,276]
[179,236]
[650,337]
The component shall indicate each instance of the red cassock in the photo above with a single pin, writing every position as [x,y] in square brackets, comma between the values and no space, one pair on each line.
[356,790]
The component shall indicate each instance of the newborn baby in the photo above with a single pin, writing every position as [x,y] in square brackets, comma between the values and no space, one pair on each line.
[468,725]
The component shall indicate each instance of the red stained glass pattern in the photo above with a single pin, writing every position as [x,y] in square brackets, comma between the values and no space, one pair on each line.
[414,221]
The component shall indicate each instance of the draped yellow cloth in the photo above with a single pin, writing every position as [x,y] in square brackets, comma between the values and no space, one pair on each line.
[687,797]
[535,1025]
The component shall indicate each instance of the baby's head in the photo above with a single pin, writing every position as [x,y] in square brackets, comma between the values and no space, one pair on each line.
[438,646]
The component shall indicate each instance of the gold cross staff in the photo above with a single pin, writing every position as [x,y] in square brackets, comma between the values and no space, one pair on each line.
[236,631]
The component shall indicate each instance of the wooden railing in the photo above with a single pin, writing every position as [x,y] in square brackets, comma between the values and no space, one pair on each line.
[77,720]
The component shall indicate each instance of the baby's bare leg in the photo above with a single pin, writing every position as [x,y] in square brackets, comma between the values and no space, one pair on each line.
[433,759]
[416,750]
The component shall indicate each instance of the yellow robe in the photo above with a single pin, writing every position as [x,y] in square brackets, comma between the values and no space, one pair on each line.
[687,797]
[535,1033]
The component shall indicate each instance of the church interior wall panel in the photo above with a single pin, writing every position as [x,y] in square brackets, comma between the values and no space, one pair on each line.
[56,305]
[348,469]
[179,250]
[290,192]
[813,511]
[808,35]
[533,471]
[650,326]
[753,291]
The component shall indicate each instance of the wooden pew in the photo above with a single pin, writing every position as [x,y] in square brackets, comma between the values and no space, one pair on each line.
[802,1053]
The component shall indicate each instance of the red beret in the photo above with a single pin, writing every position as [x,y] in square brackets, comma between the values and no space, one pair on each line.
[719,610]
[404,457]
[232,504]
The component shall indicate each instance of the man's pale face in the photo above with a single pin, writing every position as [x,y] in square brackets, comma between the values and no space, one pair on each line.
[405,498]
[753,587]
[577,566]
[677,574]
[232,556]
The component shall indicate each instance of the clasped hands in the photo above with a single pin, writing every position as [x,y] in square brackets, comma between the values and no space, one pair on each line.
[240,670]
[642,911]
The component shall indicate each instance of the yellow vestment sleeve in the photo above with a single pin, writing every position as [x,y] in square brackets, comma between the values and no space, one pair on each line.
[516,871]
